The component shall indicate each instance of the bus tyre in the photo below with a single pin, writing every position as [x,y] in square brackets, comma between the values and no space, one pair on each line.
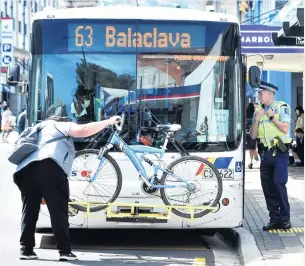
[204,162]
[83,208]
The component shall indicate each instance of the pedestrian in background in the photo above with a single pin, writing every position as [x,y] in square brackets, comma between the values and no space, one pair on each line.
[1,111]
[44,174]
[299,121]
[271,126]
[6,122]
[298,148]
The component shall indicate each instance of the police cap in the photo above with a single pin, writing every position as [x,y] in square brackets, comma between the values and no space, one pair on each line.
[267,86]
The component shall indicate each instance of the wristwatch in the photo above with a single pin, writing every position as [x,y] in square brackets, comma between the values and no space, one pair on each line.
[271,118]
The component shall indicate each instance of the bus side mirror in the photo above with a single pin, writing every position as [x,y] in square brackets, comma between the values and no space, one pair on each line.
[13,74]
[254,76]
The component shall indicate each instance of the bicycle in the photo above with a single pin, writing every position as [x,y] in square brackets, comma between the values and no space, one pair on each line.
[203,171]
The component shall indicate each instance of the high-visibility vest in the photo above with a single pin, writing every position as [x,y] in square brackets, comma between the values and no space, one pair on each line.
[267,130]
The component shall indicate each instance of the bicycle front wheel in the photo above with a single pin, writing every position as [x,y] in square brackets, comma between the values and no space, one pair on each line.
[204,186]
[105,189]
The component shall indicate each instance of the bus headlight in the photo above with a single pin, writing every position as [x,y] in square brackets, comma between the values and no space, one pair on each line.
[225,202]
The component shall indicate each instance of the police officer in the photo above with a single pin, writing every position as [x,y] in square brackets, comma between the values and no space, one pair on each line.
[270,126]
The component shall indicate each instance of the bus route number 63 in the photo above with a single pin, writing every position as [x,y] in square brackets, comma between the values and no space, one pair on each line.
[224,173]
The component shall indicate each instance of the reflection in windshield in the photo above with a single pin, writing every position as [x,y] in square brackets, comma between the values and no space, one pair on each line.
[199,91]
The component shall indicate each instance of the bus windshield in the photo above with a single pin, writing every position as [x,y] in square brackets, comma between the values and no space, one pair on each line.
[184,72]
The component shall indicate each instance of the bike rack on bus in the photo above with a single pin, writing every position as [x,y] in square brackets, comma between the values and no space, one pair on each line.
[135,216]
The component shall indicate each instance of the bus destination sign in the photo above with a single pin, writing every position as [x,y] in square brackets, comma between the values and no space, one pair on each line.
[134,38]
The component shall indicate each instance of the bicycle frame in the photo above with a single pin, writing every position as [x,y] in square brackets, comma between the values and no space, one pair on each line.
[131,151]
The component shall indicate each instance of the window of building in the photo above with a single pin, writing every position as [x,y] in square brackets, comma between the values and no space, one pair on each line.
[12,9]
[36,7]
[24,29]
[5,8]
[286,13]
[19,26]
[280,3]
[14,21]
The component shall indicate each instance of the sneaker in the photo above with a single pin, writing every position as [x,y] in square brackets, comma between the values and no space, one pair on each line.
[67,256]
[27,255]
[271,226]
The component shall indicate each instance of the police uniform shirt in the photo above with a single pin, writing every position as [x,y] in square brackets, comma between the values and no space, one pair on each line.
[284,112]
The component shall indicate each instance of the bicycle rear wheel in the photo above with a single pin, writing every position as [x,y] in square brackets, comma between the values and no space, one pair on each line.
[105,189]
[202,175]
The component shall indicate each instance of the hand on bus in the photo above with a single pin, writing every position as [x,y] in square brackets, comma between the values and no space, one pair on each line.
[114,120]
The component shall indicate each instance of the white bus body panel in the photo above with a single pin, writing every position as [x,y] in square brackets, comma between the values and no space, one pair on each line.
[132,12]
[226,217]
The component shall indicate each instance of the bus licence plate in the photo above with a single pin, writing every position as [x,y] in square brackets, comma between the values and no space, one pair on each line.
[224,173]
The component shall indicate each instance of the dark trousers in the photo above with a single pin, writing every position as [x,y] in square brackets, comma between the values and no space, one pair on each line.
[44,179]
[274,176]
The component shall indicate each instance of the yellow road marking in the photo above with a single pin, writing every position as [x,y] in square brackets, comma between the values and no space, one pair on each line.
[199,262]
[291,230]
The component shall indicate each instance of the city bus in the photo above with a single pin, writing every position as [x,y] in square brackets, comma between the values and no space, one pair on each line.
[164,66]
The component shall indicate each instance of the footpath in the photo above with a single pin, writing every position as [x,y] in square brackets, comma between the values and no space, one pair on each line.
[276,247]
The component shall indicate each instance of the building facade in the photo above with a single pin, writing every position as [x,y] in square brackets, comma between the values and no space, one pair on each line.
[281,66]
[20,12]
[271,14]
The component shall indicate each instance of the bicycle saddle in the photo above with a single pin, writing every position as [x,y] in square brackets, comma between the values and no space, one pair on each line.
[170,128]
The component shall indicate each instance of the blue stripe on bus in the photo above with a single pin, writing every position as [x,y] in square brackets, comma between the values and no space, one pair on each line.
[222,162]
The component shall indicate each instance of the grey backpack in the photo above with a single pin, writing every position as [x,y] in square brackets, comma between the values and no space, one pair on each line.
[27,143]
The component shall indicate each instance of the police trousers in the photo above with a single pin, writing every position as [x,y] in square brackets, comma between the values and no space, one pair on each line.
[44,179]
[274,176]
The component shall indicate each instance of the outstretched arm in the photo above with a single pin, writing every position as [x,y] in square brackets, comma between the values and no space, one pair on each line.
[89,129]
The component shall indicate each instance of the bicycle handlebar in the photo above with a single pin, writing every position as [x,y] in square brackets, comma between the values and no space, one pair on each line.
[119,127]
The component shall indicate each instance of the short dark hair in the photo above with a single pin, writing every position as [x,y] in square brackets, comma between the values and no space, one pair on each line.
[59,118]
[299,130]
[300,109]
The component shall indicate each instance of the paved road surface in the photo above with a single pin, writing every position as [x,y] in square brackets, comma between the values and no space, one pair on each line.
[98,247]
